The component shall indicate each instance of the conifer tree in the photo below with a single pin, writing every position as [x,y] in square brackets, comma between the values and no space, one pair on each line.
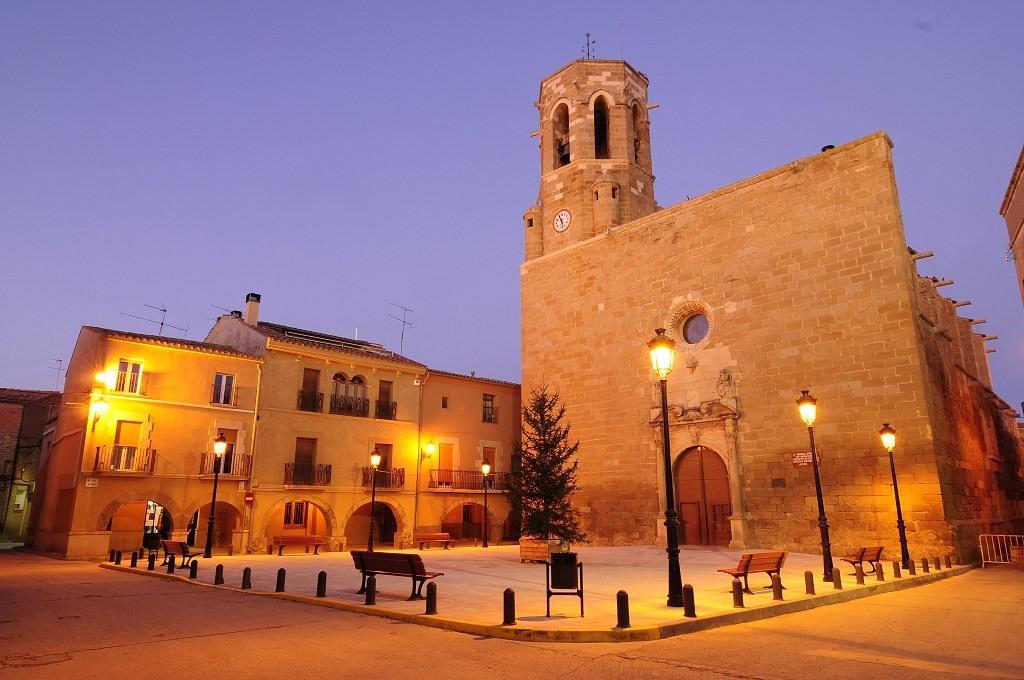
[544,484]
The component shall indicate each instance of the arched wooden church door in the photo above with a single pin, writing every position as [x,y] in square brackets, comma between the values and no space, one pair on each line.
[702,494]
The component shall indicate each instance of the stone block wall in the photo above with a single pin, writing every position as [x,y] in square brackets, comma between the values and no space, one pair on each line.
[805,274]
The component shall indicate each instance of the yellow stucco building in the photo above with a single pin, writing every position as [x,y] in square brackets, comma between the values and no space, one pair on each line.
[301,412]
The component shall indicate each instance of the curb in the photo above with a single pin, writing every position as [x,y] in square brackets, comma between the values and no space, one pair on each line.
[639,634]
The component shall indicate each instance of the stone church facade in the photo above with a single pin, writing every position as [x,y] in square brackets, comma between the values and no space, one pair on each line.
[797,278]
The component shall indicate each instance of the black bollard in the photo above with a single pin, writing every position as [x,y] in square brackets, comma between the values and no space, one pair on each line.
[509,607]
[809,582]
[151,563]
[937,563]
[924,565]
[112,553]
[912,567]
[837,579]
[193,570]
[689,606]
[371,590]
[170,565]
[117,557]
[622,609]
[431,598]
[218,575]
[135,559]
[321,584]
[246,578]
[859,571]
[279,588]
[776,587]
[949,562]
[737,593]
[896,573]
[879,571]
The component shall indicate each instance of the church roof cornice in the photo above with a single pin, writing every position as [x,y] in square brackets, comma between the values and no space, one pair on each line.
[693,203]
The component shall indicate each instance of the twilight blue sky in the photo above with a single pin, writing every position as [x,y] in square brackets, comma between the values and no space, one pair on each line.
[337,157]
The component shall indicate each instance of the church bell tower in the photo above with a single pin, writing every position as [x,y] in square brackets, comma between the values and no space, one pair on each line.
[595,154]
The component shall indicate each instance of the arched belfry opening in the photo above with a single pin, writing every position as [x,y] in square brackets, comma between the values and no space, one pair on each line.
[602,143]
[560,135]
[639,134]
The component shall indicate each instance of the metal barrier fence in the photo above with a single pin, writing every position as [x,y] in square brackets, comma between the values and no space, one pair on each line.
[1001,548]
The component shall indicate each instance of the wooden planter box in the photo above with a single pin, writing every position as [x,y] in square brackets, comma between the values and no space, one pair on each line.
[536,549]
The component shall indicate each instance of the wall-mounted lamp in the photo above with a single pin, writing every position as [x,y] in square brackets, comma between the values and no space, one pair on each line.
[106,378]
[99,409]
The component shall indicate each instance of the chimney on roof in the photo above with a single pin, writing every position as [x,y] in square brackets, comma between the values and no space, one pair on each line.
[252,308]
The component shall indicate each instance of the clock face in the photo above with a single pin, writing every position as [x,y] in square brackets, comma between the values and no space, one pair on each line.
[562,220]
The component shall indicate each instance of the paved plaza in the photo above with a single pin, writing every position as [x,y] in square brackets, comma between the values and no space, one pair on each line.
[475,578]
[66,619]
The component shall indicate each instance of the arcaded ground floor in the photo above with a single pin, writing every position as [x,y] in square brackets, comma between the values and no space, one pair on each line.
[475,578]
[74,620]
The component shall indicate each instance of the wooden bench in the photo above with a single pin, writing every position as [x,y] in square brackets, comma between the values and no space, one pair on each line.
[757,563]
[443,537]
[175,548]
[315,541]
[394,564]
[872,555]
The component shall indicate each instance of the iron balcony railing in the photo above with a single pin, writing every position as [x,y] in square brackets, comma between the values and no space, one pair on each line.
[387,410]
[468,480]
[301,474]
[490,414]
[350,406]
[118,458]
[311,401]
[386,479]
[231,464]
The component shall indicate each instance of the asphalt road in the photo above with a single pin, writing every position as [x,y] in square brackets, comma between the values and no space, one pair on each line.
[74,620]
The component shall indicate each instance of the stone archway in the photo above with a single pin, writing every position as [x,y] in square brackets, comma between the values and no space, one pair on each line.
[703,497]
[178,519]
[272,519]
[387,530]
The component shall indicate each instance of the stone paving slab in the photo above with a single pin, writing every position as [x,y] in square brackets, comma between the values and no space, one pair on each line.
[470,592]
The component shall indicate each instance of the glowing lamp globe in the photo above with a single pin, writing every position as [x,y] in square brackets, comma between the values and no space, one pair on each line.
[375,459]
[808,406]
[220,445]
[663,353]
[888,436]
[485,468]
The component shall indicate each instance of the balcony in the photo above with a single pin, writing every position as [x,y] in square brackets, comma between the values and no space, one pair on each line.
[387,410]
[386,479]
[490,414]
[468,480]
[232,465]
[311,401]
[350,406]
[302,474]
[124,459]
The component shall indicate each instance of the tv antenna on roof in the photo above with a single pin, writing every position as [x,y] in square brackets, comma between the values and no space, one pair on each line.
[588,50]
[161,323]
[58,368]
[404,322]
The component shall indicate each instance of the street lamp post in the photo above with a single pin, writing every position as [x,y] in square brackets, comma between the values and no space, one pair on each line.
[485,469]
[808,406]
[374,462]
[663,350]
[888,435]
[220,447]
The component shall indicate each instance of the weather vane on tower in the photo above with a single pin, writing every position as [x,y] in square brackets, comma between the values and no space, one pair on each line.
[588,49]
